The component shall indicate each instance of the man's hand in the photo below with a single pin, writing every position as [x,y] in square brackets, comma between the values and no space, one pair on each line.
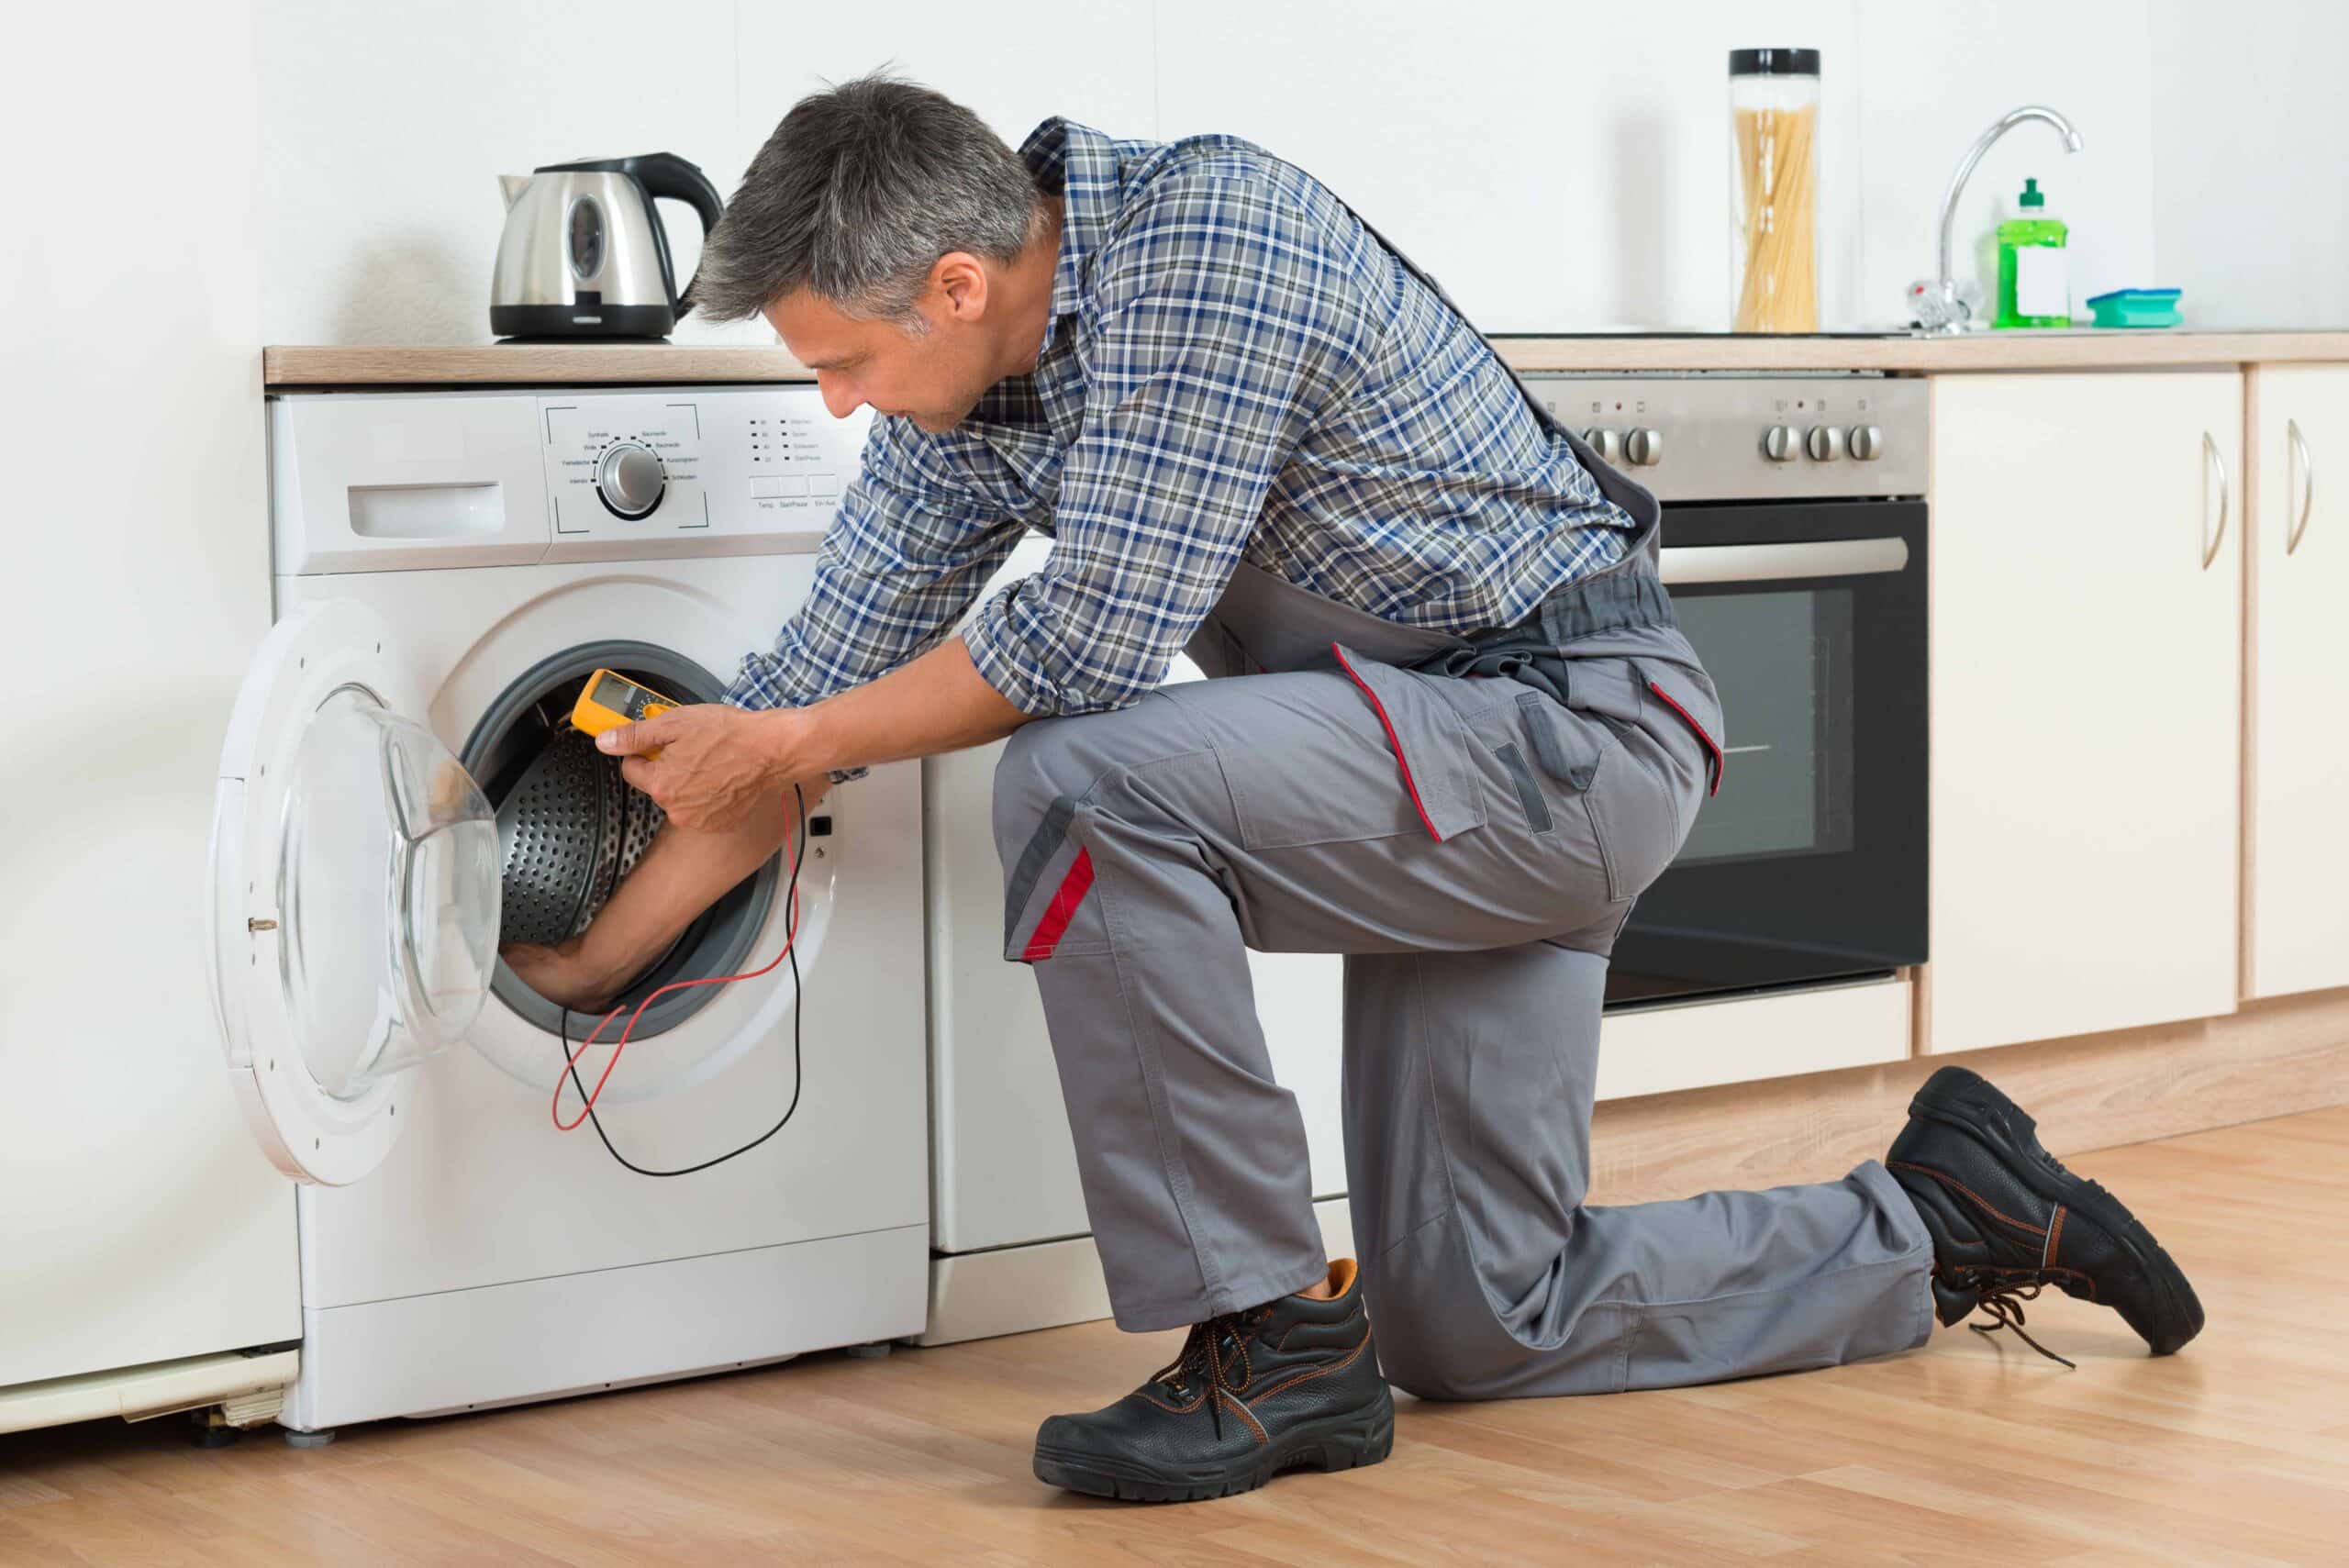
[717,764]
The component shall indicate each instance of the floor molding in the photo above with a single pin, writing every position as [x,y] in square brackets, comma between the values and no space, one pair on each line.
[2270,1058]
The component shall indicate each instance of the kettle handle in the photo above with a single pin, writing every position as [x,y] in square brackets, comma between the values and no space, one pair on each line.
[666,174]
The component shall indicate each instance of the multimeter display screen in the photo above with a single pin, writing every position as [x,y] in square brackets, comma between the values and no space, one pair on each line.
[621,696]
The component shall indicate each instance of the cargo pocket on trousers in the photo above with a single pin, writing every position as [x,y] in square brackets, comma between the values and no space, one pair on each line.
[1429,739]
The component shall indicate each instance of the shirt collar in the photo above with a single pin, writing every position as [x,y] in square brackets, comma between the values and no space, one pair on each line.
[1080,165]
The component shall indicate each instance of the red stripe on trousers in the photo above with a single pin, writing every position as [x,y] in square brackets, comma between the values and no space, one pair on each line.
[1393,741]
[1720,763]
[1062,909]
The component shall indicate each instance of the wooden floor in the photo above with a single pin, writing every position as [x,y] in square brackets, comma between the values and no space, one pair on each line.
[1968,1452]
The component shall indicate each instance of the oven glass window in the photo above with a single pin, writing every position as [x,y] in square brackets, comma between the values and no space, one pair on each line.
[1782,660]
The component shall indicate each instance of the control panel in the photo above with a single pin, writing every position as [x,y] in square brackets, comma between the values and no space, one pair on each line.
[413,481]
[1733,438]
[751,469]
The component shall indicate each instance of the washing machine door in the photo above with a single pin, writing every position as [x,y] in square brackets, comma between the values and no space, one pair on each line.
[354,893]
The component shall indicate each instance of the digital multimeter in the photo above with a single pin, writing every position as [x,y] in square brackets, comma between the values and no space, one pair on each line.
[610,700]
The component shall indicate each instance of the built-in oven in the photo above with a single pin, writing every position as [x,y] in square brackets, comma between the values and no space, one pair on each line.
[1793,546]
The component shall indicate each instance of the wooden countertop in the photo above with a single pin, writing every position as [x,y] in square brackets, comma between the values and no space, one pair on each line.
[517,364]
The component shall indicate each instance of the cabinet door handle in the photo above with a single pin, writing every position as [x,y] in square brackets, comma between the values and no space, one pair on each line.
[2210,455]
[2308,479]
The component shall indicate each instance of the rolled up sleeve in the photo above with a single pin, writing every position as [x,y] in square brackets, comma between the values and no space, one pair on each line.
[1218,328]
[908,552]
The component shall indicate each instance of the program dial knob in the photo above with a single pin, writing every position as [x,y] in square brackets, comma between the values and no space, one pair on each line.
[1865,443]
[1607,443]
[630,480]
[1781,443]
[1644,447]
[1825,443]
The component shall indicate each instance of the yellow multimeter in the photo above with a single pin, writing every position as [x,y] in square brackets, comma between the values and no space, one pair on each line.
[610,700]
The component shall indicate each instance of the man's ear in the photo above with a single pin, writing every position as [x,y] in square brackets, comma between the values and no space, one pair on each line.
[962,283]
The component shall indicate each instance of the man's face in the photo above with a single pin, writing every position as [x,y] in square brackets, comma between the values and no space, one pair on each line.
[933,377]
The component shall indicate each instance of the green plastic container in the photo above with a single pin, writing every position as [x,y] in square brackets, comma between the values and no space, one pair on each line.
[2033,288]
[2136,307]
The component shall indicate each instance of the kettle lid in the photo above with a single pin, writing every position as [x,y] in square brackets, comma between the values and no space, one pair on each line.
[594,165]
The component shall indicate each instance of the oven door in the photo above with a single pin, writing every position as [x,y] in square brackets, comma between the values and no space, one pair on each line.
[1808,864]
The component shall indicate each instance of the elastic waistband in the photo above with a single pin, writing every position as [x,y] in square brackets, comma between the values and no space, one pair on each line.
[1630,596]
[1539,650]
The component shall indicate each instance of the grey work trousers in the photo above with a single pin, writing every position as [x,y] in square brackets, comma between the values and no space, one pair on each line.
[1393,816]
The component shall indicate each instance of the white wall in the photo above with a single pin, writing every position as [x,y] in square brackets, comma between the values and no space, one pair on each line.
[2251,207]
[1560,166]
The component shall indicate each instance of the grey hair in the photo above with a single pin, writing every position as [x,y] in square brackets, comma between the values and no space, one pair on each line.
[857,194]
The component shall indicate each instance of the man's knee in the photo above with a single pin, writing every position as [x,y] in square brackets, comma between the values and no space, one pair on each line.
[1047,766]
[1426,1349]
[1448,1328]
[1039,769]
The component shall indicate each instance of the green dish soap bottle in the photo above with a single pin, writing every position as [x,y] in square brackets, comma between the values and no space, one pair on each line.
[2035,289]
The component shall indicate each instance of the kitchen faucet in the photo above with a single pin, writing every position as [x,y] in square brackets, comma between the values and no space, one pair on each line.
[1937,302]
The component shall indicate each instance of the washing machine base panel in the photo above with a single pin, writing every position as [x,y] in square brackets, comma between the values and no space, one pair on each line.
[507,1344]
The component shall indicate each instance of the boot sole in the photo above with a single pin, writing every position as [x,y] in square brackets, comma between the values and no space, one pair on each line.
[1359,1437]
[1964,1099]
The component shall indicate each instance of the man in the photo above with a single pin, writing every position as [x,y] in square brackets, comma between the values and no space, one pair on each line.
[1460,736]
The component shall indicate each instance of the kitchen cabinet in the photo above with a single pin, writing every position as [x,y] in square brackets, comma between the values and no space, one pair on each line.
[2296,838]
[2086,690]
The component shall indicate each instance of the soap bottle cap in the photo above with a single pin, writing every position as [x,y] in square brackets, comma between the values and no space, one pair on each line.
[2031,195]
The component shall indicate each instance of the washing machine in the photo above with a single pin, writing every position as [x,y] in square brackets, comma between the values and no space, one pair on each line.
[448,568]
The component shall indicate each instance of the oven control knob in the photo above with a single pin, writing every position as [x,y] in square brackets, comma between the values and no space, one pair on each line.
[1866,443]
[1781,443]
[1825,443]
[1644,447]
[1607,443]
[630,480]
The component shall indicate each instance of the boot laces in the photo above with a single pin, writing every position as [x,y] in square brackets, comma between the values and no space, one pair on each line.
[1203,1356]
[2000,1296]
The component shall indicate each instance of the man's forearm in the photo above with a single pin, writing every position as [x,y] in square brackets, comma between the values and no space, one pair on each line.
[938,703]
[682,872]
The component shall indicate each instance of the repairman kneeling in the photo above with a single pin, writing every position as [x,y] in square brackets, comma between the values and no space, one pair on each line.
[1456,734]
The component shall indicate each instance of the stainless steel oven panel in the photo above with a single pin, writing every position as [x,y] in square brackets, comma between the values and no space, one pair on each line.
[1709,437]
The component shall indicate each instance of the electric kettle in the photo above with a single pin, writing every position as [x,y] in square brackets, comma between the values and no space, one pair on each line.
[584,255]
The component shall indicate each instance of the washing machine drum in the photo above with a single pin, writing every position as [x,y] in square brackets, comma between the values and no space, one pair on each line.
[570,829]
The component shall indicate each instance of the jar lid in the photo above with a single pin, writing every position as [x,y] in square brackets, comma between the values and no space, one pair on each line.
[1774,63]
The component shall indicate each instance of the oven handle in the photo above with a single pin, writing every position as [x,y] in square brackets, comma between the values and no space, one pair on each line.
[1776,563]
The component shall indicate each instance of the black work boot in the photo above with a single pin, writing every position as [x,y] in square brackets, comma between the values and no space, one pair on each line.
[2008,1221]
[1292,1384]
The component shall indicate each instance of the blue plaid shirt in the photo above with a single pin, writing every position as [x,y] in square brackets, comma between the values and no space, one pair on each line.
[1234,370]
